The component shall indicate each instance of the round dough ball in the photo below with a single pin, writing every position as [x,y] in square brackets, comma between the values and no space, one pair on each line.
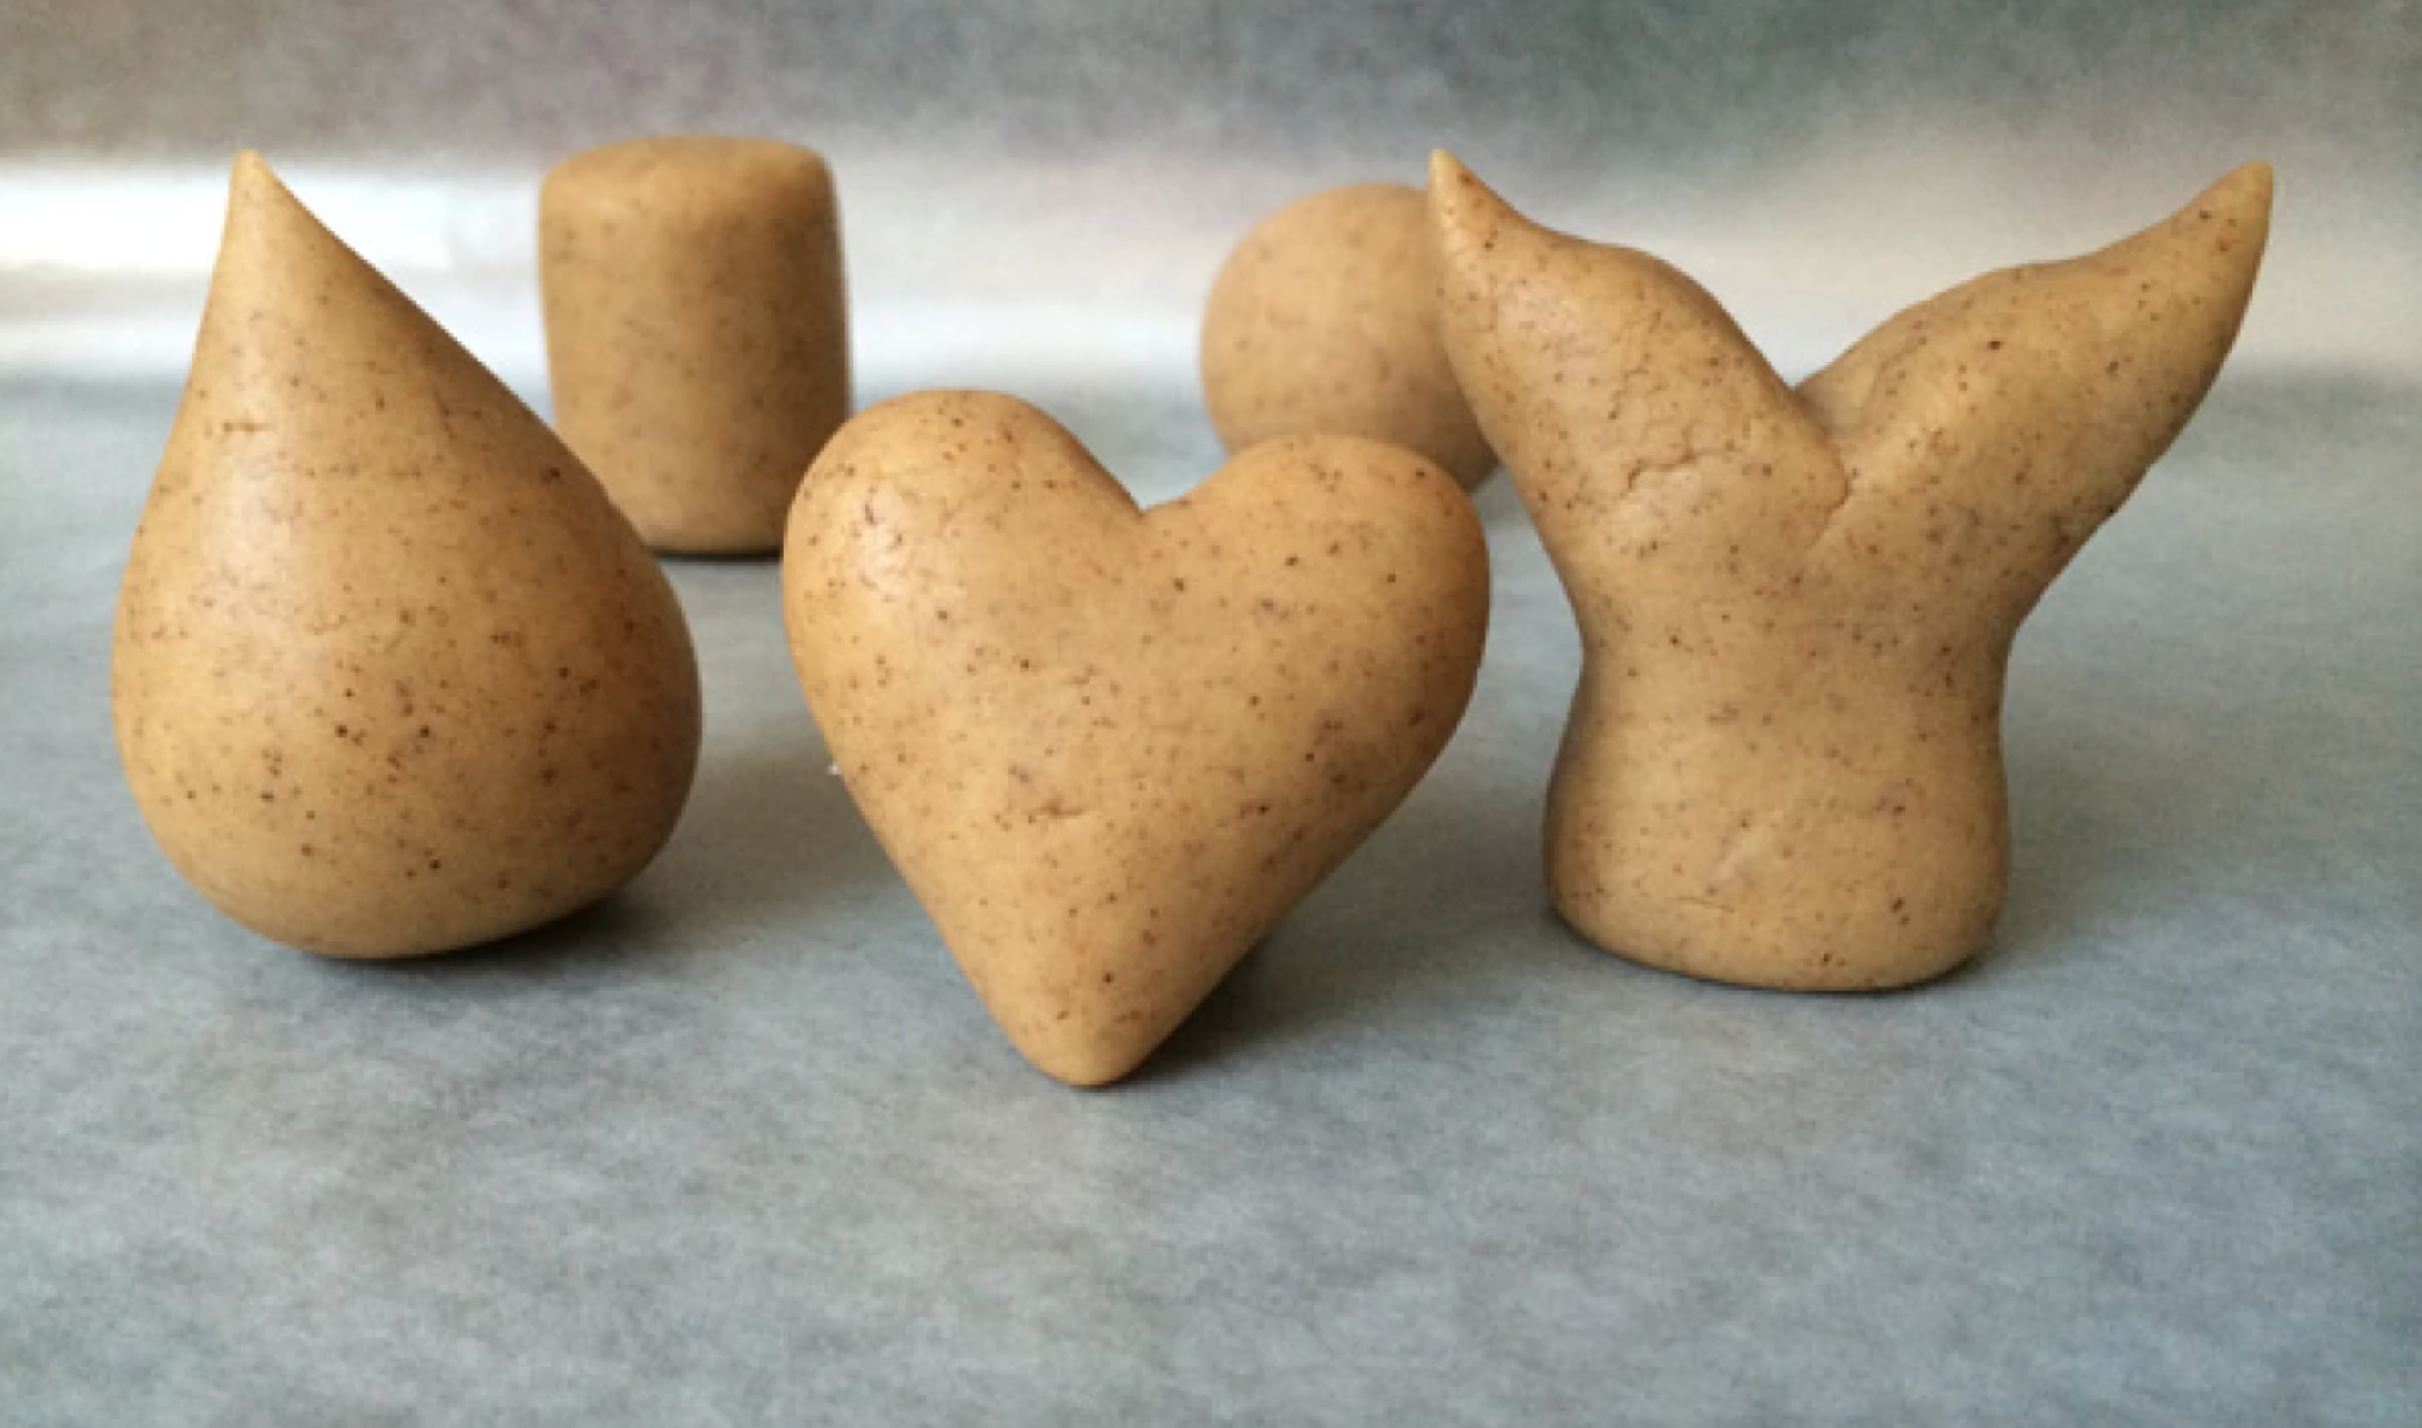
[1324,321]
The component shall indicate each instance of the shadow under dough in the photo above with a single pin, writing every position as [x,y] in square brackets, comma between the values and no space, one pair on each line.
[768,844]
[2149,813]
[771,841]
[1400,933]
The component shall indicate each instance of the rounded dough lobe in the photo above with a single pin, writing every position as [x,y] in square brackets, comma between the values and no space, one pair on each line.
[697,330]
[1324,321]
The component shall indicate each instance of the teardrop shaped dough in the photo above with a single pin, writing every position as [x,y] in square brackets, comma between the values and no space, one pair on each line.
[391,674]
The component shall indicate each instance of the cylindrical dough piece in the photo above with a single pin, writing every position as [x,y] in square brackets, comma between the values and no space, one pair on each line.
[1324,321]
[697,330]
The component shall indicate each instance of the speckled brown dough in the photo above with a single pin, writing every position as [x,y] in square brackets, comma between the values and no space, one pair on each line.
[1325,321]
[1783,765]
[1108,749]
[697,330]
[391,676]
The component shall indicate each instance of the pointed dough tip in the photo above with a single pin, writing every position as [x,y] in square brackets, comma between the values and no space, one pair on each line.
[2240,198]
[256,194]
[2249,184]
[253,171]
[1463,207]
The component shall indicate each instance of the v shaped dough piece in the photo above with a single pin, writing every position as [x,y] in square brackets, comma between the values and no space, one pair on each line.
[1783,765]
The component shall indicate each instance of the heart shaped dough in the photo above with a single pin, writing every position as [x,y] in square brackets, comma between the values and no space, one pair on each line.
[1109,748]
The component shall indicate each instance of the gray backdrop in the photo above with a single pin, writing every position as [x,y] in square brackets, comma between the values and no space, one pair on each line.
[1819,164]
